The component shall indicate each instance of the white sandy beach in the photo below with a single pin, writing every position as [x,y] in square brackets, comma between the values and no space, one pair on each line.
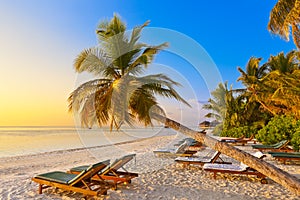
[159,178]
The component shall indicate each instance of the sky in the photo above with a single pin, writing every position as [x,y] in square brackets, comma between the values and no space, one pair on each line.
[207,42]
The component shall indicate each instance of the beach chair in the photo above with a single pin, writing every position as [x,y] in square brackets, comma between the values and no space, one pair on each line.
[112,171]
[284,156]
[228,139]
[240,169]
[192,144]
[190,141]
[80,183]
[239,141]
[215,158]
[180,151]
[278,147]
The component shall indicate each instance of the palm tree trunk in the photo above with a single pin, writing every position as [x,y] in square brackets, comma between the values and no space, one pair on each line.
[264,106]
[283,178]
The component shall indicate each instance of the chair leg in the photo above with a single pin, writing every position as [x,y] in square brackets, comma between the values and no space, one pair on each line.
[40,188]
[215,175]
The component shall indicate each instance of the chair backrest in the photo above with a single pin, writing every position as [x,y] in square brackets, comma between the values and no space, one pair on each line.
[215,156]
[281,144]
[118,163]
[182,147]
[259,155]
[251,137]
[89,172]
[189,141]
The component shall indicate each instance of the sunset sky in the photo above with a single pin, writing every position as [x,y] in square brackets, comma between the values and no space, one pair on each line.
[40,40]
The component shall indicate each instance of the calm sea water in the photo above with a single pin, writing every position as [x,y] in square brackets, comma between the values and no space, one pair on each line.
[16,141]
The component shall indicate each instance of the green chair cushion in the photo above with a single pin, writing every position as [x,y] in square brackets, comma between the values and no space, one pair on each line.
[57,176]
[286,155]
[261,146]
[88,167]
[80,168]
[272,146]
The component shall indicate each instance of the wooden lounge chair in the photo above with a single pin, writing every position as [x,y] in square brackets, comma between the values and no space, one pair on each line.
[193,145]
[278,147]
[80,183]
[215,158]
[112,171]
[227,139]
[179,151]
[190,141]
[284,156]
[235,169]
[239,141]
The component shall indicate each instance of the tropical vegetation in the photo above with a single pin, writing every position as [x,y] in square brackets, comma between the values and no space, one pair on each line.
[281,128]
[270,90]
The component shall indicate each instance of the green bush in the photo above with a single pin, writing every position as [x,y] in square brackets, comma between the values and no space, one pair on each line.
[295,141]
[279,128]
[218,129]
[237,132]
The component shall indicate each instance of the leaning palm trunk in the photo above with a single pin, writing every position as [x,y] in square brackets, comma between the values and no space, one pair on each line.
[276,174]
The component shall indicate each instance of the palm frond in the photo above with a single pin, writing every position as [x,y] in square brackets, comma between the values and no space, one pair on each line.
[122,90]
[136,33]
[296,34]
[279,20]
[146,57]
[142,104]
[161,85]
[93,60]
[81,93]
[284,16]
[88,112]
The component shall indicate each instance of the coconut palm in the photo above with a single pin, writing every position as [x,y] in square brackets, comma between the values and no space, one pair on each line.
[123,96]
[252,80]
[224,106]
[267,83]
[285,64]
[233,108]
[120,97]
[280,83]
[217,103]
[285,15]
[285,96]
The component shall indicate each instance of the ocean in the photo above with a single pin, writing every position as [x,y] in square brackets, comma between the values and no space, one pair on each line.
[25,140]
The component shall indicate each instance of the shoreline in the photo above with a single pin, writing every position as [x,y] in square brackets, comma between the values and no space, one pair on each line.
[18,142]
[159,177]
[80,148]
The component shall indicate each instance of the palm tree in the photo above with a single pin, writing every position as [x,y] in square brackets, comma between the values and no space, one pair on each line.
[217,103]
[280,82]
[234,108]
[270,84]
[122,96]
[252,80]
[285,96]
[286,14]
[225,107]
[217,106]
[285,64]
